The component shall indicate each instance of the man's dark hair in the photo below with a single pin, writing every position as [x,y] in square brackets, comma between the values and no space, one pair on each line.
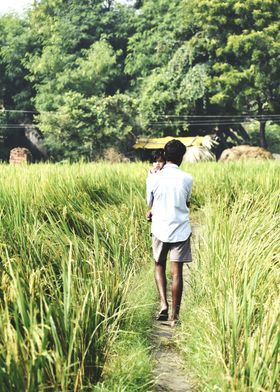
[158,154]
[174,151]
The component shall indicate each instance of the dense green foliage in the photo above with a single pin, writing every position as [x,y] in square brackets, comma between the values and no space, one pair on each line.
[16,91]
[101,72]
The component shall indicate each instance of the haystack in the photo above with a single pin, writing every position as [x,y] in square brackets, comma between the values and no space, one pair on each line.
[245,152]
[198,154]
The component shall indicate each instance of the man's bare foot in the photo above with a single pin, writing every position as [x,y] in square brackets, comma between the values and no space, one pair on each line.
[162,315]
[174,323]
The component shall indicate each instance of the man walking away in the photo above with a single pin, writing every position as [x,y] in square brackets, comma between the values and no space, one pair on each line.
[168,195]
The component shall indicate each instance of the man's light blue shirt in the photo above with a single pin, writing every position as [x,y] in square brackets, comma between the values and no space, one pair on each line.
[168,192]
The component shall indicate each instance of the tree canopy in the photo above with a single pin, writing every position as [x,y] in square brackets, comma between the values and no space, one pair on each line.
[90,74]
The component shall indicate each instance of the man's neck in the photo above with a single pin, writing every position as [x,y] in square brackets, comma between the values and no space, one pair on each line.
[171,163]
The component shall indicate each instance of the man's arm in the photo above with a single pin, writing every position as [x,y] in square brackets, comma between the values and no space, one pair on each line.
[189,191]
[149,191]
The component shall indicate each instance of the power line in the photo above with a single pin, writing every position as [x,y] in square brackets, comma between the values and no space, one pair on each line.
[28,111]
[262,116]
[167,124]
[19,111]
[200,123]
[11,127]
[219,115]
[209,121]
[17,125]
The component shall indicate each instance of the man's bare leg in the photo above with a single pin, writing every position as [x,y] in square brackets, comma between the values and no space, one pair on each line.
[177,289]
[160,277]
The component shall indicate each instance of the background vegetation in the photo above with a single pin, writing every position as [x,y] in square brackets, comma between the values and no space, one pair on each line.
[91,74]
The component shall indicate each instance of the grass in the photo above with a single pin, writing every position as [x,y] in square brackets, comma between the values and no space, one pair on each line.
[230,335]
[129,366]
[76,286]
[72,238]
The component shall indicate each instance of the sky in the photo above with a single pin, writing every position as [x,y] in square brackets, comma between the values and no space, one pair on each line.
[14,5]
[19,6]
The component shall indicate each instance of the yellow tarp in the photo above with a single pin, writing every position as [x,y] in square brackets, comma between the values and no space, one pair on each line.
[154,143]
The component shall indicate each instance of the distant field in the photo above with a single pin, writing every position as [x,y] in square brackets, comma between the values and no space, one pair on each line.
[73,237]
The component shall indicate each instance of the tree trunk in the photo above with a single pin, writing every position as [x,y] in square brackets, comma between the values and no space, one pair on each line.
[263,142]
[109,4]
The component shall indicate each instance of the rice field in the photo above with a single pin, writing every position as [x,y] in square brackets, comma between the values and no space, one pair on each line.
[231,319]
[73,239]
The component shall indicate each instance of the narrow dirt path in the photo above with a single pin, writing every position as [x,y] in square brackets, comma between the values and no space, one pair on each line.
[169,374]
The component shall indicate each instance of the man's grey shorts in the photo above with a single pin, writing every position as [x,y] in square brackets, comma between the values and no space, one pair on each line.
[179,251]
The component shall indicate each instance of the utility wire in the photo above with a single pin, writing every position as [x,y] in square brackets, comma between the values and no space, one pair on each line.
[11,126]
[20,111]
[167,124]
[261,116]
[208,121]
[212,120]
[219,115]
[2,111]
[170,120]
[21,125]
[199,123]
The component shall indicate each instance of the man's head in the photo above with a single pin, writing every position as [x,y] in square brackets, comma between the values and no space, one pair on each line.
[174,151]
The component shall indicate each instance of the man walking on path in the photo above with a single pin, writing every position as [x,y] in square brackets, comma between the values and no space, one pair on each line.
[168,195]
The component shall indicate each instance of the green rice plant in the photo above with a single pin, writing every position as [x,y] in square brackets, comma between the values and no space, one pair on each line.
[72,240]
[129,366]
[230,334]
[70,243]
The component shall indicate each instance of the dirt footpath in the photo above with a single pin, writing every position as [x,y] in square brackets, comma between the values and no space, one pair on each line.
[169,374]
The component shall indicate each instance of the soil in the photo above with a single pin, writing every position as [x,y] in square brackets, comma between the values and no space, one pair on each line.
[169,374]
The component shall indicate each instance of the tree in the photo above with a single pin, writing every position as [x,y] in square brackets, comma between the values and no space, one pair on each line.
[79,67]
[156,36]
[15,91]
[173,90]
[193,57]
[85,120]
[240,40]
[158,60]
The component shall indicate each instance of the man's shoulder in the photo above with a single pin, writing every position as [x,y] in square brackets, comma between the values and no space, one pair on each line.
[152,177]
[186,176]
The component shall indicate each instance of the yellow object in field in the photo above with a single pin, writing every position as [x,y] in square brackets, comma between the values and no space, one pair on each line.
[159,142]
